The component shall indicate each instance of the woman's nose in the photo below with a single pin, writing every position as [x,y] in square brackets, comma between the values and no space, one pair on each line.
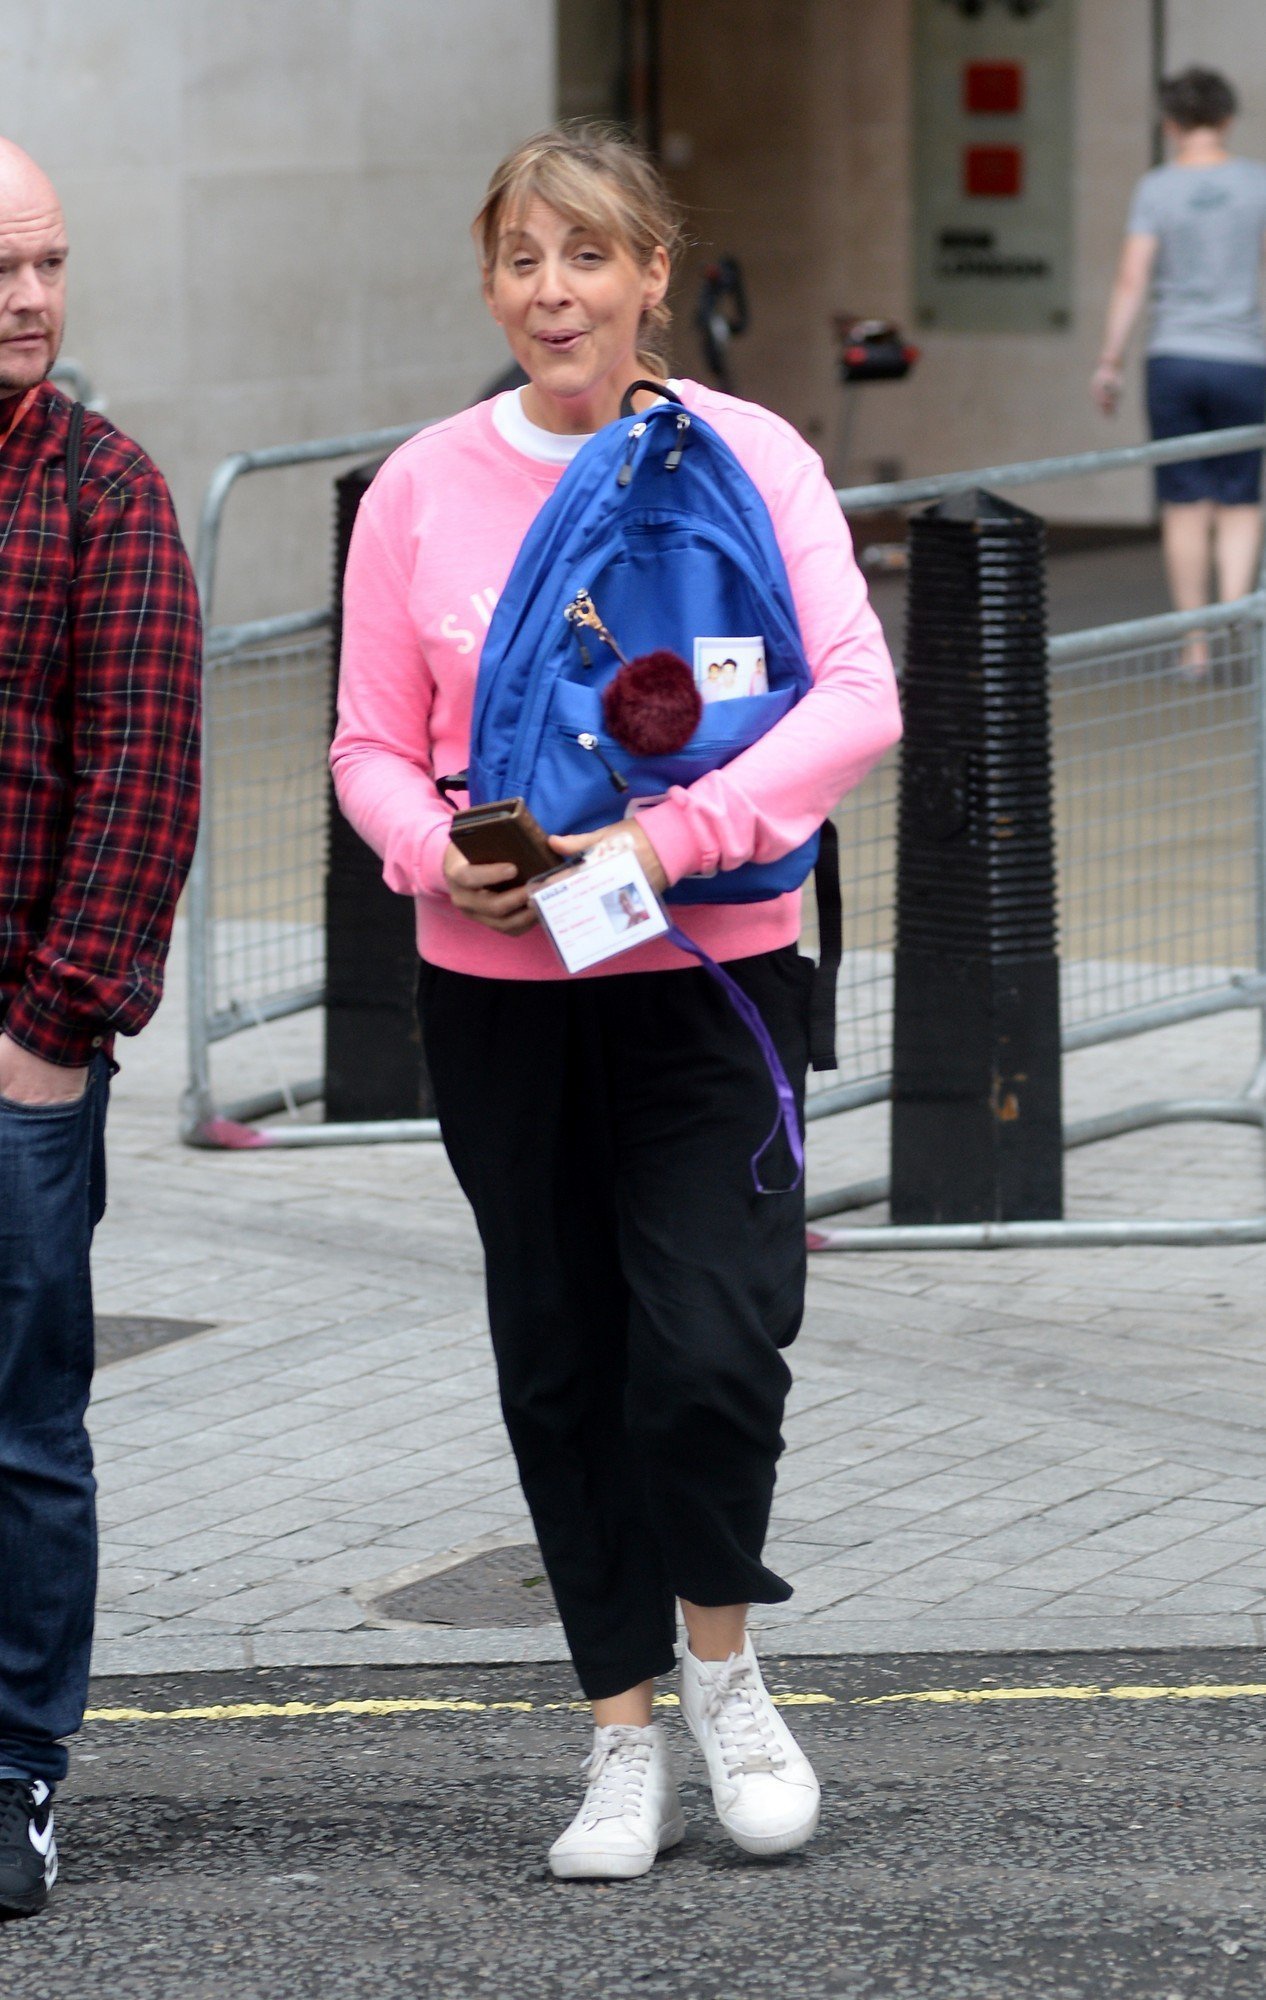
[553,288]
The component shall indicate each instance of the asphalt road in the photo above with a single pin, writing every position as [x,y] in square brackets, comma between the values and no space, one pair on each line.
[1069,1848]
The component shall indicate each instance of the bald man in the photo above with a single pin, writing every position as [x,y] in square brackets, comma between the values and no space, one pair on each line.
[100,652]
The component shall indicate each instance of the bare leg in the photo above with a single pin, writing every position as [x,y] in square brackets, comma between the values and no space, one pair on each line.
[1185,535]
[1237,540]
[715,1631]
[633,1707]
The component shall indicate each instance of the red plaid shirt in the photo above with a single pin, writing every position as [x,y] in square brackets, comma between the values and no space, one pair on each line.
[100,679]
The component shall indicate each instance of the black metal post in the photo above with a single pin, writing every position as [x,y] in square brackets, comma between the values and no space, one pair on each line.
[976,1122]
[374,1066]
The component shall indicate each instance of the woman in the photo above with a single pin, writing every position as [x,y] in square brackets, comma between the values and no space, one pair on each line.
[639,1291]
[1194,238]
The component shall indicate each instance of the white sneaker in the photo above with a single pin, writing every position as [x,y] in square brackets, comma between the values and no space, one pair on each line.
[630,1811]
[763,1785]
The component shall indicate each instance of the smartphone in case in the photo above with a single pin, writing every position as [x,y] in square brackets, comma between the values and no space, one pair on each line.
[504,830]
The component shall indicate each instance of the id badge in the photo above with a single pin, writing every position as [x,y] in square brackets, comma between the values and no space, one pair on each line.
[601,908]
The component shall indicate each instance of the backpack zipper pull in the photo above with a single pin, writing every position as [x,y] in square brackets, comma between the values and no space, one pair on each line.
[589,742]
[625,473]
[572,615]
[583,611]
[673,459]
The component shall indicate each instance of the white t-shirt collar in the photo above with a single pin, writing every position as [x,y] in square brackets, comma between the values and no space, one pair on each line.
[552,447]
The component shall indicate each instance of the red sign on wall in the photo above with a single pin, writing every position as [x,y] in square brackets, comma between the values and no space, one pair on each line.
[992,89]
[993,171]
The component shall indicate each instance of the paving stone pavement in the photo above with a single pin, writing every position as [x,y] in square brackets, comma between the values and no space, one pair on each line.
[1001,1450]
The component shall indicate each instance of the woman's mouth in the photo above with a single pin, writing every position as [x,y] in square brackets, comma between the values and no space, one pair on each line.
[562,341]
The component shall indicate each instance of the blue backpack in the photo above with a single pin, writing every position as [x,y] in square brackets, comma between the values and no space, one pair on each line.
[658,525]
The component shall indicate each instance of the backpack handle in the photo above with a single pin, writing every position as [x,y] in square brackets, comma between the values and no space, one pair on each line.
[656,389]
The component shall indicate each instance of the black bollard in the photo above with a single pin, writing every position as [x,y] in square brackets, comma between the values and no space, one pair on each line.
[977,1132]
[374,1066]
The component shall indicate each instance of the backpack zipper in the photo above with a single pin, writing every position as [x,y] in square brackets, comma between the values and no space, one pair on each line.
[588,741]
[625,473]
[673,459]
[582,611]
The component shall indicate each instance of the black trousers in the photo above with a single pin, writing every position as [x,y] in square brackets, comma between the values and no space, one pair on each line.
[640,1289]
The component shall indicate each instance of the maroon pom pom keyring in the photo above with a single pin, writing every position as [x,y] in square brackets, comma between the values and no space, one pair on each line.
[652,706]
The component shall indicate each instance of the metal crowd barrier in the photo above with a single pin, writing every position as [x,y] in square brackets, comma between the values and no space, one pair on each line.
[255,898]
[1157,778]
[1148,767]
[73,377]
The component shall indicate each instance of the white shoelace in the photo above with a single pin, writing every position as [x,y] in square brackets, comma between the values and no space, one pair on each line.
[616,1768]
[738,1708]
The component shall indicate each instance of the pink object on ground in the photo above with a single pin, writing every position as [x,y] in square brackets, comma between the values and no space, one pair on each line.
[229,1136]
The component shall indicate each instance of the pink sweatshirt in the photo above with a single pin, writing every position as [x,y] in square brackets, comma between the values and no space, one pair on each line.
[435,540]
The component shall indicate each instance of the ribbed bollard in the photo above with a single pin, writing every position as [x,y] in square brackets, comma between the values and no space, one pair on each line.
[374,1067]
[976,1125]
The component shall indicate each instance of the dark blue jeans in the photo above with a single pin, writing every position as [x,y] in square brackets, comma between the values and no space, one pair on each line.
[52,1195]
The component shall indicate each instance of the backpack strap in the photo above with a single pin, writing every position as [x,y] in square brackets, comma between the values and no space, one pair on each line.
[826,881]
[660,389]
[74,464]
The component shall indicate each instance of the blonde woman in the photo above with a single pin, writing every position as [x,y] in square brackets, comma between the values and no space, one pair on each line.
[640,1294]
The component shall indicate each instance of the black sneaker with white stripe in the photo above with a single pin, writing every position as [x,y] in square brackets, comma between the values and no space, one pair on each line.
[28,1851]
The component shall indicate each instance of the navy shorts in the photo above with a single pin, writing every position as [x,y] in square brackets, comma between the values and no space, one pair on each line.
[1186,393]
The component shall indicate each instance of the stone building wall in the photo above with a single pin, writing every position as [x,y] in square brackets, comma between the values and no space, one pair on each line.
[789,125]
[269,203]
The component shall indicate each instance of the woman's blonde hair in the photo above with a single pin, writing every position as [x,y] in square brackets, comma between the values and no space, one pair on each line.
[596,176]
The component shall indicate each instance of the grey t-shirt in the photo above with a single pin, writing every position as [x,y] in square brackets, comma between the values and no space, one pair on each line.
[1206,281]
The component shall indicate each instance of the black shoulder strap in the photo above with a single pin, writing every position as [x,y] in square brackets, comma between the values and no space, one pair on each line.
[660,389]
[826,881]
[74,461]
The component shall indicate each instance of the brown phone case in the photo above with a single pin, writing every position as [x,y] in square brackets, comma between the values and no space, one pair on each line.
[504,830]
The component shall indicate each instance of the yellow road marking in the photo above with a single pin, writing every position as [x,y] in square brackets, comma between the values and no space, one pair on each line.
[1140,1691]
[252,1711]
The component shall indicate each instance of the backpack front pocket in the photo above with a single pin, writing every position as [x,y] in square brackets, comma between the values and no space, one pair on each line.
[584,779]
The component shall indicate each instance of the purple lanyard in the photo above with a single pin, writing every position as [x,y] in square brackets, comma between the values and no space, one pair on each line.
[785,1118]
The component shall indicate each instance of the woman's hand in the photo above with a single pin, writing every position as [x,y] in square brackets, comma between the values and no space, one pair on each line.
[478,890]
[1105,386]
[576,843]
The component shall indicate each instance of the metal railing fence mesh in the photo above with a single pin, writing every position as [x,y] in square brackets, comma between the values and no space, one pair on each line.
[1155,823]
[268,718]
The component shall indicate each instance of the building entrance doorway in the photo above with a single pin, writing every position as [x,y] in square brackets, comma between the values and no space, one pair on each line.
[609,63]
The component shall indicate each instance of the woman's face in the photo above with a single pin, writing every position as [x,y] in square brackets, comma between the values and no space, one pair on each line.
[570,302]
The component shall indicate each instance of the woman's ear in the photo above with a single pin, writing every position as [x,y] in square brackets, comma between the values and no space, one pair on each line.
[656,274]
[489,298]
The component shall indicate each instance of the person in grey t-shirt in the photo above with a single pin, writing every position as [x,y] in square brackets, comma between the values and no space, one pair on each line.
[1194,240]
